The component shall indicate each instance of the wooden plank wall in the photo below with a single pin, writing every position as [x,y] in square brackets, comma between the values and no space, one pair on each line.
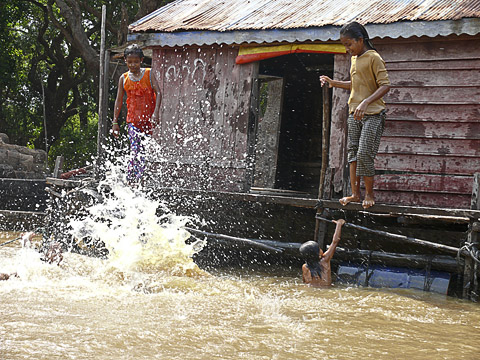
[431,145]
[338,130]
[204,117]
[432,136]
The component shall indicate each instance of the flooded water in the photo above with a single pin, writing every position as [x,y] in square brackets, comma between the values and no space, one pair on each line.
[149,300]
[88,308]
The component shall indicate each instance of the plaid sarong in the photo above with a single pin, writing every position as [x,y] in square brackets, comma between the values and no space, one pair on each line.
[363,141]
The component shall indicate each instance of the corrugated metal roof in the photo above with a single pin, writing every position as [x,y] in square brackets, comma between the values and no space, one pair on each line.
[229,15]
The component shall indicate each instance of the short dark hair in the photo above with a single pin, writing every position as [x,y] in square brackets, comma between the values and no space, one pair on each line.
[356,31]
[133,49]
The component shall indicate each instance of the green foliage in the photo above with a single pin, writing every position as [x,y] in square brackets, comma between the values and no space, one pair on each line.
[45,64]
[20,115]
[76,143]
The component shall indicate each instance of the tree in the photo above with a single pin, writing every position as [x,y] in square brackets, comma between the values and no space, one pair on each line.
[52,48]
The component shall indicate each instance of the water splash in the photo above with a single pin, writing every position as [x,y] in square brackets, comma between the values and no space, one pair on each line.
[137,238]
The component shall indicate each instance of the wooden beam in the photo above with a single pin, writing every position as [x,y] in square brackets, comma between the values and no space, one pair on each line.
[63,183]
[416,210]
[437,262]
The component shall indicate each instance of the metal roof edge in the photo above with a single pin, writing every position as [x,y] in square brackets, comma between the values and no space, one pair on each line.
[404,29]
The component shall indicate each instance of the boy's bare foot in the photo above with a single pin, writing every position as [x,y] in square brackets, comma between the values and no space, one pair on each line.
[368,202]
[348,199]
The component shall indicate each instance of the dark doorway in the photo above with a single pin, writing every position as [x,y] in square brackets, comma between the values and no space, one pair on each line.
[289,131]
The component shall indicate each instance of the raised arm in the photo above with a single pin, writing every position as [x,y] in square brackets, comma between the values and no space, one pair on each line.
[347,85]
[336,239]
[118,107]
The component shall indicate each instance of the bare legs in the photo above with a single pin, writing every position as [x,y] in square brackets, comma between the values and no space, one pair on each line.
[355,184]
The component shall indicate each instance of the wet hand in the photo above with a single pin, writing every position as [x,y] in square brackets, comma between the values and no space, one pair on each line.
[325,79]
[115,130]
[340,222]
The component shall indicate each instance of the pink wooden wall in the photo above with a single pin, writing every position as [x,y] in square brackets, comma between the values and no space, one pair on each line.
[204,117]
[431,144]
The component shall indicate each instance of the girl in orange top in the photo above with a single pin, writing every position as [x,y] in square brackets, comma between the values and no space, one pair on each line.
[143,105]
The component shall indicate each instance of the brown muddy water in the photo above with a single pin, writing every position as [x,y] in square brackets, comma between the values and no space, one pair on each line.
[88,308]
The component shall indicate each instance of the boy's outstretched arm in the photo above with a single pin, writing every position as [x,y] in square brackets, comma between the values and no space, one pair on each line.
[118,108]
[336,239]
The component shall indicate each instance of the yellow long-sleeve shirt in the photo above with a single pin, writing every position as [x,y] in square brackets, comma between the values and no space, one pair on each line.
[367,74]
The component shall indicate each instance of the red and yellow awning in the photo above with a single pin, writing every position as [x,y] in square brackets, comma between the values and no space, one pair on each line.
[249,54]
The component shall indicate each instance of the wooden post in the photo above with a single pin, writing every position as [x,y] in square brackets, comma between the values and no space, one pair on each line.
[252,129]
[320,228]
[57,172]
[470,274]
[102,126]
[325,138]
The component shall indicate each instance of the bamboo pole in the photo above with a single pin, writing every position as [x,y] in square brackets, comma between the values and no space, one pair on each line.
[401,238]
[101,93]
[251,242]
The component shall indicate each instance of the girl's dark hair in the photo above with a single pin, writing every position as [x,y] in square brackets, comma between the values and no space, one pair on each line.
[310,253]
[356,31]
[133,49]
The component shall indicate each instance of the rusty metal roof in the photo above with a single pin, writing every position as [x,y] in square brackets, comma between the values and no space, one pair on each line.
[229,15]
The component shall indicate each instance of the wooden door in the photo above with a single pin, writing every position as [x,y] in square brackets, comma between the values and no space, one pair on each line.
[270,101]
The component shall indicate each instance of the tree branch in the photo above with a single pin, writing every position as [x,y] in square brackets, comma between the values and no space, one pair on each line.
[70,10]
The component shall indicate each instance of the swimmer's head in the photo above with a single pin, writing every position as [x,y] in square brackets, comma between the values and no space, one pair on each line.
[310,251]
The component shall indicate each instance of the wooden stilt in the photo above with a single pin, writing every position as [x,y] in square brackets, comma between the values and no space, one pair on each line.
[470,274]
[321,227]
[326,174]
[325,138]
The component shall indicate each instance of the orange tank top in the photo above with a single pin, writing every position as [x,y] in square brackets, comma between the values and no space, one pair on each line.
[140,101]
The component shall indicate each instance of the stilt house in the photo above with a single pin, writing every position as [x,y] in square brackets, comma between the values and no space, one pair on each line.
[242,104]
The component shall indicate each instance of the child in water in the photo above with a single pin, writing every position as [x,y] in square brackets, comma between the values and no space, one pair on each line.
[316,271]
[143,106]
[368,84]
